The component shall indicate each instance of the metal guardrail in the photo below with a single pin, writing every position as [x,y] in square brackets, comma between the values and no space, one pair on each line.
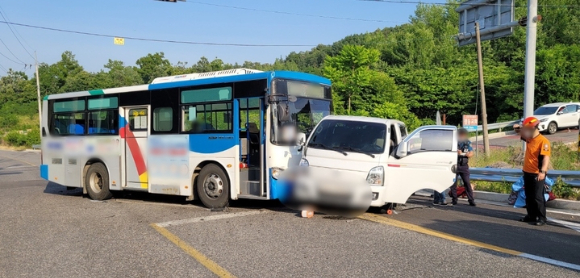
[512,175]
[36,147]
[499,126]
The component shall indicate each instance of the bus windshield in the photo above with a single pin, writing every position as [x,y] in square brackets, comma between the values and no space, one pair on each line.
[307,113]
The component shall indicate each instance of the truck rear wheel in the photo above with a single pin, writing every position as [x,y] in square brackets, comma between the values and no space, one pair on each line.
[213,187]
[97,182]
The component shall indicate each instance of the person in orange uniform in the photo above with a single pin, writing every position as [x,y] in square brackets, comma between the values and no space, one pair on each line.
[536,160]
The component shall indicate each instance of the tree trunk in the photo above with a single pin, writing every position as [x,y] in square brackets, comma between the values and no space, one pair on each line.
[349,105]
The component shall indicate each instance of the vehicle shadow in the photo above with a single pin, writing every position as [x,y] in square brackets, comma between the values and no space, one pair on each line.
[501,212]
[523,238]
[57,189]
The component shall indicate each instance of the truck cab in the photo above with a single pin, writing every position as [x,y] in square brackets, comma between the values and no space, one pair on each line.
[380,153]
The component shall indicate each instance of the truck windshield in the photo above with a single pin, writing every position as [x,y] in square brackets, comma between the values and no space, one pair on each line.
[545,110]
[349,136]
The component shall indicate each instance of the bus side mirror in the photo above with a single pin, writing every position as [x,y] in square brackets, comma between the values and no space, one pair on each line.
[283,113]
[402,149]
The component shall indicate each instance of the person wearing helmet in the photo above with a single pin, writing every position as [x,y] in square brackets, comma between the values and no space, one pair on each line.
[536,161]
[464,151]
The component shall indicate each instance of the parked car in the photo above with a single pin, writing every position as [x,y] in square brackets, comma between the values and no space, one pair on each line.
[556,116]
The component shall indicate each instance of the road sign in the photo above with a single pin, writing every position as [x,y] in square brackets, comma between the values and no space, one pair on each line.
[119,41]
[470,122]
[495,17]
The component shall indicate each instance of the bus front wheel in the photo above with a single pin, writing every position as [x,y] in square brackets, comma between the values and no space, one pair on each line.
[213,187]
[97,182]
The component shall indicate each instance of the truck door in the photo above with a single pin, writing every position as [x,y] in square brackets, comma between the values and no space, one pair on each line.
[426,159]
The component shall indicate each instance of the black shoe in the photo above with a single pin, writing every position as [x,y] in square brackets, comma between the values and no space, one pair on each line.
[541,222]
[443,203]
[435,204]
[472,204]
[454,202]
[527,219]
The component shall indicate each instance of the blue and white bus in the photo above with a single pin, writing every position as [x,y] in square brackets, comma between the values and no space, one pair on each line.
[216,136]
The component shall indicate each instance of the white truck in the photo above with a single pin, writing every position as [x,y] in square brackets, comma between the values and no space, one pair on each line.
[379,152]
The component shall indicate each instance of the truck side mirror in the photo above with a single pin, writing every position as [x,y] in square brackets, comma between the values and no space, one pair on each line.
[402,149]
[301,141]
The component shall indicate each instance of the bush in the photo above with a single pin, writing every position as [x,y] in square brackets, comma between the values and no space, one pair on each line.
[14,138]
[563,190]
[8,121]
[33,137]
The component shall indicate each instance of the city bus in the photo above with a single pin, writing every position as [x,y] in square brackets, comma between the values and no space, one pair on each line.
[215,136]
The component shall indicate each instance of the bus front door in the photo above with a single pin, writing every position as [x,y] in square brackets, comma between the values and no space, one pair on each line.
[252,147]
[135,133]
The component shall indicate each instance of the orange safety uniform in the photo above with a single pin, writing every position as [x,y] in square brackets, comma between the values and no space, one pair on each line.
[536,149]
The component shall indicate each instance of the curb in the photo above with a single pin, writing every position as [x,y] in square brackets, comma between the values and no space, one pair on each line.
[556,204]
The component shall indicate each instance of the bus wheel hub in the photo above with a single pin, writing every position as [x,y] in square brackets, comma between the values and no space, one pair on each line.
[213,186]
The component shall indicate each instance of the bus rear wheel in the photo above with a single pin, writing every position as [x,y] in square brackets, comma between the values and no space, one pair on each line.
[97,182]
[213,187]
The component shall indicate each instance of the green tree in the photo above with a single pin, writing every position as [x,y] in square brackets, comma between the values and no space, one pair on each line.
[153,66]
[350,71]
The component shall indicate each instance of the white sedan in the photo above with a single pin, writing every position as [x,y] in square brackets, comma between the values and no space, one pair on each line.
[556,116]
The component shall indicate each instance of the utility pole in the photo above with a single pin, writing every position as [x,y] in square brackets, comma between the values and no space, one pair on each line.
[530,67]
[38,94]
[482,87]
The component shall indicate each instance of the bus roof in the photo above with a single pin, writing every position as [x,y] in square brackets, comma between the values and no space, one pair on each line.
[197,79]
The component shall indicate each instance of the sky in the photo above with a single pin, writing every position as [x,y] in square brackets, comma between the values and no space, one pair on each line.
[213,21]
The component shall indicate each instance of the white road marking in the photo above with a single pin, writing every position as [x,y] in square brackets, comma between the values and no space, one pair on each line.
[550,261]
[189,206]
[567,224]
[209,218]
[25,166]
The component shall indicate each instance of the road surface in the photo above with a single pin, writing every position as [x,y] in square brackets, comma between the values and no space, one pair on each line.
[49,231]
[562,136]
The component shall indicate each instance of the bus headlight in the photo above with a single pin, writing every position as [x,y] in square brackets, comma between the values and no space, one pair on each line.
[276,173]
[376,176]
[303,162]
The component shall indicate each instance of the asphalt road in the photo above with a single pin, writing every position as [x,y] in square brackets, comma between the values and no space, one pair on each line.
[48,231]
[562,136]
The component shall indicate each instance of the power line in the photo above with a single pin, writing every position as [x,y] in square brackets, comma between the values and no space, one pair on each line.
[3,68]
[10,59]
[157,40]
[17,39]
[21,62]
[5,17]
[290,13]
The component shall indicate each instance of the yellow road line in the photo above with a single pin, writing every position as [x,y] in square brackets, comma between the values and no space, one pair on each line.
[419,229]
[198,256]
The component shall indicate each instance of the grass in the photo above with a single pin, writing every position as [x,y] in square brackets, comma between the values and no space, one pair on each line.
[564,157]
